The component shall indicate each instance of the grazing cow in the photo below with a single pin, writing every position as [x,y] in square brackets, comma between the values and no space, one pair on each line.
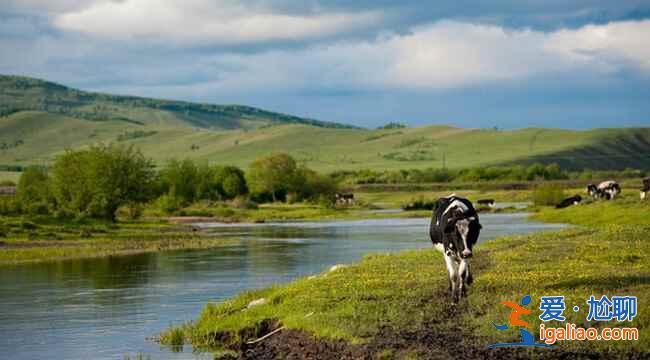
[573,200]
[346,199]
[605,190]
[645,188]
[486,202]
[454,230]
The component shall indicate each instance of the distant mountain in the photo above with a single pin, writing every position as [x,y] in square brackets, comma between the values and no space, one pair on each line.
[19,93]
[39,120]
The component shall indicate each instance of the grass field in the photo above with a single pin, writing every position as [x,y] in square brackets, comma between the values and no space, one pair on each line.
[396,306]
[44,136]
[39,120]
[12,176]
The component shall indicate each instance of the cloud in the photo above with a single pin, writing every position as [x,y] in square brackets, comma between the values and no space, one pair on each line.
[609,46]
[195,22]
[444,55]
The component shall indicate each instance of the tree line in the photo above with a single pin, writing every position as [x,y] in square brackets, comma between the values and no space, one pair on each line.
[533,172]
[98,181]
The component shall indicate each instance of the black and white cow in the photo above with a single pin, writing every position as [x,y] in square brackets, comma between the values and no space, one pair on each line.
[454,230]
[344,198]
[486,202]
[573,200]
[605,190]
[645,188]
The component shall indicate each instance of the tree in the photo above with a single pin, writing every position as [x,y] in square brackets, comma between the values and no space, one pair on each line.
[273,174]
[231,181]
[95,182]
[179,179]
[33,190]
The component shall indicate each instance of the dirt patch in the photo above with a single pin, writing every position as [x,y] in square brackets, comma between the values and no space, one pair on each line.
[391,344]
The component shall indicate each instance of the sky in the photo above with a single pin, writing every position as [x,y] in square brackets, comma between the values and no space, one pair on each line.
[511,64]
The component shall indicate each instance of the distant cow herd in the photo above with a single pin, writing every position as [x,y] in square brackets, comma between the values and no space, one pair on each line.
[455,229]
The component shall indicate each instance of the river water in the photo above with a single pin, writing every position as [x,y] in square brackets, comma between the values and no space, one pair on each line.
[105,308]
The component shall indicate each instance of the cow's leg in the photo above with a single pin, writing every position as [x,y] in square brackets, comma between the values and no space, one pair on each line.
[454,278]
[465,275]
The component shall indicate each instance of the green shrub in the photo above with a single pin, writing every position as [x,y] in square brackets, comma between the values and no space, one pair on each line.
[224,212]
[242,202]
[548,195]
[168,204]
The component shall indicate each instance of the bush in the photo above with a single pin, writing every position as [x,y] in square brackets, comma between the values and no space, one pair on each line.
[230,181]
[8,206]
[168,204]
[95,182]
[242,202]
[224,212]
[275,175]
[33,191]
[548,195]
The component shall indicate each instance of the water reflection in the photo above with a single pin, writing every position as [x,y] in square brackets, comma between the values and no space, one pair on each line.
[104,308]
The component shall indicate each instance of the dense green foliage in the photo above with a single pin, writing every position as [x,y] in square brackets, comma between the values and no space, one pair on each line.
[275,175]
[512,173]
[278,177]
[33,191]
[184,182]
[97,181]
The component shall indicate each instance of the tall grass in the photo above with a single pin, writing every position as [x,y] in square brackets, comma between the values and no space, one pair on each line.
[548,195]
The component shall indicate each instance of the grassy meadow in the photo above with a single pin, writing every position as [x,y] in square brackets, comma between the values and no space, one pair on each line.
[40,119]
[45,135]
[365,308]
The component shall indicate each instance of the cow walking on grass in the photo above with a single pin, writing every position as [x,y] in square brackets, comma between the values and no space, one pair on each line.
[454,230]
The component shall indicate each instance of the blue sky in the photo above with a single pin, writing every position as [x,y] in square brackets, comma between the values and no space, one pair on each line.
[511,64]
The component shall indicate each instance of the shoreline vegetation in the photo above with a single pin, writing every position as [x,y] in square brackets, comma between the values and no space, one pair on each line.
[43,238]
[395,306]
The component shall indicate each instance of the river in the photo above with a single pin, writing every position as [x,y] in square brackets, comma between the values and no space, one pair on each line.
[105,308]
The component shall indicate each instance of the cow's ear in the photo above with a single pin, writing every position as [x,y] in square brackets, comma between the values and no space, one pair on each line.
[480,226]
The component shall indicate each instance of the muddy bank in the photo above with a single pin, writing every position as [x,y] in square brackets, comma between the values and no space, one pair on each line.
[393,344]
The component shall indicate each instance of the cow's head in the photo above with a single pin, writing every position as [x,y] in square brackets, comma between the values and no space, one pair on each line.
[462,233]
[592,190]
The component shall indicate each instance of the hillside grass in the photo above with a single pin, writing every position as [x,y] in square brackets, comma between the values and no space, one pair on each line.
[36,137]
[405,293]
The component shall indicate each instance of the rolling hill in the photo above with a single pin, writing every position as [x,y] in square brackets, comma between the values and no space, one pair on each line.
[43,119]
[18,93]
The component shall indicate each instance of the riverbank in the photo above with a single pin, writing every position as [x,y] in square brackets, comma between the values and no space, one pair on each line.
[390,306]
[25,239]
[45,239]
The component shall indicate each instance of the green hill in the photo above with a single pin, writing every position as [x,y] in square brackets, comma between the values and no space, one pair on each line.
[19,93]
[44,119]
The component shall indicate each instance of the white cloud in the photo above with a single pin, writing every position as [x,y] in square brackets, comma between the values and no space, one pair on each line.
[441,56]
[607,46]
[200,21]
